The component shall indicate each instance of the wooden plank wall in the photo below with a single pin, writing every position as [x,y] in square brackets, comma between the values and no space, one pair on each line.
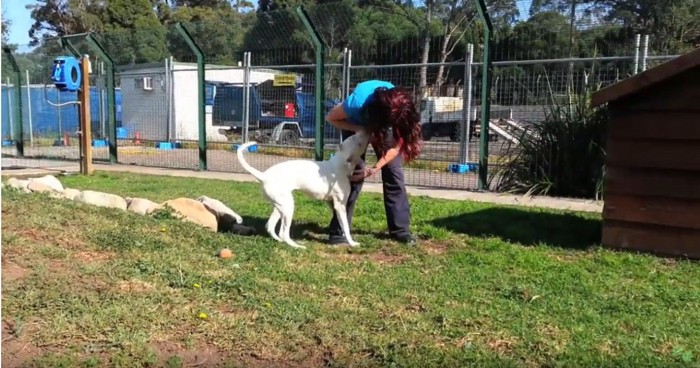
[652,181]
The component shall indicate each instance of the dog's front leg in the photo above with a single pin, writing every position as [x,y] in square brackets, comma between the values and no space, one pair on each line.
[342,213]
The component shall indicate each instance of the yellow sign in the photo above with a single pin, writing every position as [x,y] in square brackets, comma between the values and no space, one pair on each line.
[284,80]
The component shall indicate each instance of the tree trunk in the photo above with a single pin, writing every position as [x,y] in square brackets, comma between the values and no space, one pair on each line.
[443,57]
[426,48]
[572,29]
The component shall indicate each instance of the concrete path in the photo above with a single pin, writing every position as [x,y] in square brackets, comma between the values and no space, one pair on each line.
[452,194]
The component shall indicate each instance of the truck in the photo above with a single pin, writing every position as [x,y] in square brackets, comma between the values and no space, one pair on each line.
[285,117]
[442,117]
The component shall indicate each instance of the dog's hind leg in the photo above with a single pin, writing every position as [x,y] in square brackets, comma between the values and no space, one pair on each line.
[285,206]
[272,224]
[342,214]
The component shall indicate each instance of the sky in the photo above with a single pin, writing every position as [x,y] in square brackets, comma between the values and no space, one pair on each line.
[21,20]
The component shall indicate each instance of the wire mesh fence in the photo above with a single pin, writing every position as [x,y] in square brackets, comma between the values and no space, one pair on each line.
[260,80]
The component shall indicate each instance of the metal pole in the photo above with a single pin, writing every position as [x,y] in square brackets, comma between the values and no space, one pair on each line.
[645,52]
[9,112]
[486,70]
[60,128]
[29,107]
[320,49]
[200,93]
[246,97]
[637,42]
[467,105]
[111,97]
[171,97]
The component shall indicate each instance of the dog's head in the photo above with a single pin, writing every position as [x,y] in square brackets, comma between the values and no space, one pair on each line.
[354,146]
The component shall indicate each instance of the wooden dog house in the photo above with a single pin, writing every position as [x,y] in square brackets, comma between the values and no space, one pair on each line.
[652,178]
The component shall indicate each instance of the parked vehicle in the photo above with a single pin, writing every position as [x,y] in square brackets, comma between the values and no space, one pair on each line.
[442,117]
[289,120]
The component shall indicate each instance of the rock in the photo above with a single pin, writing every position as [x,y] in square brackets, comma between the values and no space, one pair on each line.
[142,206]
[69,193]
[220,210]
[18,184]
[193,211]
[49,181]
[38,186]
[101,199]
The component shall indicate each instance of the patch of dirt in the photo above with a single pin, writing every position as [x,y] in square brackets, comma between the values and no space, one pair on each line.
[66,240]
[380,257]
[135,286]
[11,272]
[16,350]
[201,356]
[433,248]
[93,257]
[501,345]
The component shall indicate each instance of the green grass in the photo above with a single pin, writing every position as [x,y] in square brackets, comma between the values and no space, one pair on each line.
[489,286]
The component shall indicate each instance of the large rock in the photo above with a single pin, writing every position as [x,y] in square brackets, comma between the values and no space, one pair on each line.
[101,199]
[48,181]
[19,184]
[142,206]
[193,211]
[222,212]
[70,193]
[40,187]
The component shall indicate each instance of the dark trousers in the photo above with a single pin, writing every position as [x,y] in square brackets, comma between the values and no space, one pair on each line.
[395,198]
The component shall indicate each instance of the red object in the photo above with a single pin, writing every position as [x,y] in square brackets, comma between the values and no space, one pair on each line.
[289,110]
[138,138]
[66,142]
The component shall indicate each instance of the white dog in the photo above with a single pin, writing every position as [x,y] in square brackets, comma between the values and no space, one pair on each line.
[324,180]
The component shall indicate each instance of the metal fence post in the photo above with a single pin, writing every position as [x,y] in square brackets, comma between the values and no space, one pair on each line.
[637,42]
[19,140]
[29,109]
[645,52]
[466,105]
[320,49]
[201,94]
[486,70]
[246,96]
[111,97]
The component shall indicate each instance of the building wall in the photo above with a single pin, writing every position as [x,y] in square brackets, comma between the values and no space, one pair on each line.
[185,97]
[145,111]
[652,181]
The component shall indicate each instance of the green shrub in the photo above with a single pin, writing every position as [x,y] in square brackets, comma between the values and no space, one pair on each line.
[562,156]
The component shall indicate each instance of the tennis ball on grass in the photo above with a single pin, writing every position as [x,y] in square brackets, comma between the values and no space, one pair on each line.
[225,253]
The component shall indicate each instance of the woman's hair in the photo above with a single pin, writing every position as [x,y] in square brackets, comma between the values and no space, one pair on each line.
[394,108]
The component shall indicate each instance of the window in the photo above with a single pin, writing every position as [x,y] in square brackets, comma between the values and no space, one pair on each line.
[148,83]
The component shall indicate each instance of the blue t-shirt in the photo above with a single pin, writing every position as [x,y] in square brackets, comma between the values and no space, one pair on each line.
[357,100]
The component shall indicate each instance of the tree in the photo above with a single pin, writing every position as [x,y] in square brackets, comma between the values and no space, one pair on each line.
[64,17]
[6,23]
[217,31]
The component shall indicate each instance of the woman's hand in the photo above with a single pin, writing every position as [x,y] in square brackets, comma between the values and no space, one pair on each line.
[365,173]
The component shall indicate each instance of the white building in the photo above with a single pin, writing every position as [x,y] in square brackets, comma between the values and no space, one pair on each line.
[159,100]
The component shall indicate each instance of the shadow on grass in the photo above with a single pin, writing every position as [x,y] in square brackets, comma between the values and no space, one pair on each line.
[527,227]
[300,230]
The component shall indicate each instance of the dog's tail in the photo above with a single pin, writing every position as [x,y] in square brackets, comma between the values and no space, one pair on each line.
[253,171]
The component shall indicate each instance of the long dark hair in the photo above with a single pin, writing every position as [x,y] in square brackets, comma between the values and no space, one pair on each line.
[394,108]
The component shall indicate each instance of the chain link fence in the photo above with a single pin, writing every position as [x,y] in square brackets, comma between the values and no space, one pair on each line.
[260,83]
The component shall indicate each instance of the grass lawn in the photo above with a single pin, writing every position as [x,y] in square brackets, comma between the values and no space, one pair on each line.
[489,286]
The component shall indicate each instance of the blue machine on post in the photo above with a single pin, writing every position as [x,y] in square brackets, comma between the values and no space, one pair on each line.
[66,74]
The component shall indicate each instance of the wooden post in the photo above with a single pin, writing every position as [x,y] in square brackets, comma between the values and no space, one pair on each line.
[85,125]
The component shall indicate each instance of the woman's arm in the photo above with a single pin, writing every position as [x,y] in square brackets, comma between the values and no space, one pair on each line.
[339,119]
[389,155]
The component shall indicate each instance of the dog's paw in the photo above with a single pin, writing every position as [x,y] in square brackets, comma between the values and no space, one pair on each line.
[353,244]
